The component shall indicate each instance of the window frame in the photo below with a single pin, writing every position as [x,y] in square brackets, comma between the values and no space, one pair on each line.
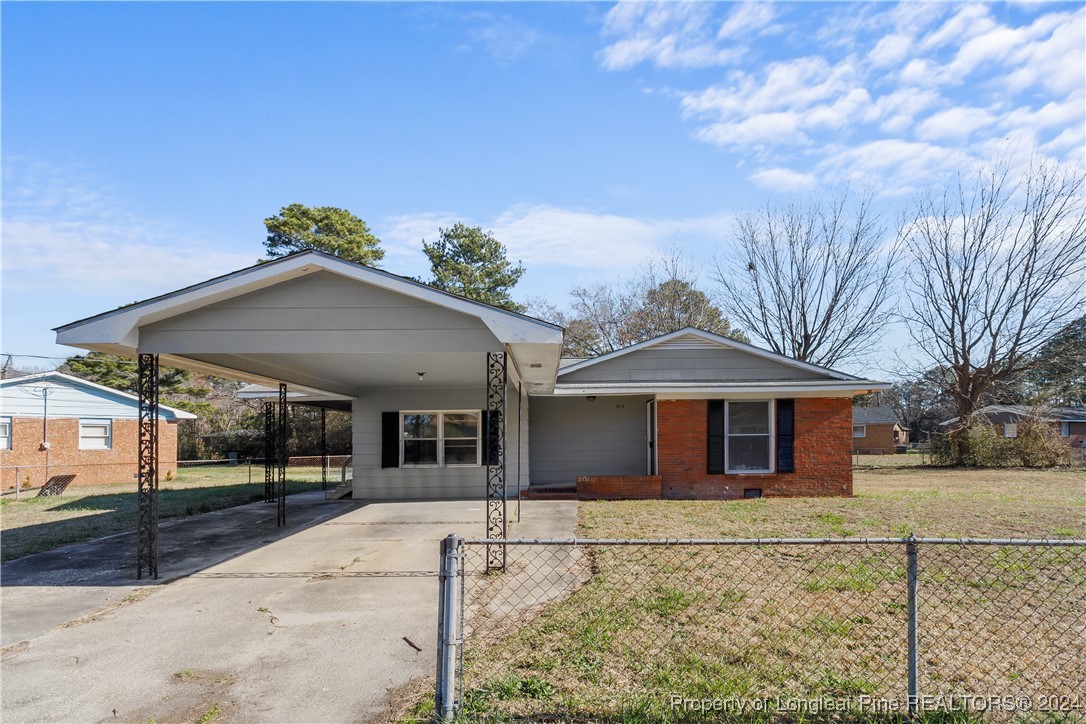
[771,408]
[6,438]
[1010,430]
[105,422]
[479,437]
[863,428]
[1065,429]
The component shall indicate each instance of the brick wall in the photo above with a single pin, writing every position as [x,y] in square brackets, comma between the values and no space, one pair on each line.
[879,440]
[823,466]
[619,487]
[91,467]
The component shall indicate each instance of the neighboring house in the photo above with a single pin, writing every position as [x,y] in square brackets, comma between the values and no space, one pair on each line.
[687,415]
[877,431]
[1070,421]
[90,432]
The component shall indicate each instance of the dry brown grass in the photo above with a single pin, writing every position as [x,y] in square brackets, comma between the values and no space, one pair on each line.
[926,502]
[756,622]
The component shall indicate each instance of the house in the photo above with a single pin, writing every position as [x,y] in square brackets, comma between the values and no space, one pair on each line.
[877,431]
[53,424]
[452,398]
[1070,421]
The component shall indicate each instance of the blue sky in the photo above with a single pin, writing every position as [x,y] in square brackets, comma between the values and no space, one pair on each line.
[143,144]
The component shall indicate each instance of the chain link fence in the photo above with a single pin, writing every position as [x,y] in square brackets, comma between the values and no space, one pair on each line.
[681,630]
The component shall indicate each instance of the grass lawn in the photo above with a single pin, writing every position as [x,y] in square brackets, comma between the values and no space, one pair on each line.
[609,634]
[33,524]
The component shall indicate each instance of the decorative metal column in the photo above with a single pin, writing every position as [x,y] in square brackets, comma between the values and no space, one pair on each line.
[324,449]
[269,452]
[495,468]
[147,490]
[281,518]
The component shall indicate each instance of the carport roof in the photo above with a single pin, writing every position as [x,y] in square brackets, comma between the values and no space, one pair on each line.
[533,344]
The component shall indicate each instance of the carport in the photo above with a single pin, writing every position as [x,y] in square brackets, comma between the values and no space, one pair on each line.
[437,384]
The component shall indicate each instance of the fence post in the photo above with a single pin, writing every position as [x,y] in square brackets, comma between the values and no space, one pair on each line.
[914,621]
[447,618]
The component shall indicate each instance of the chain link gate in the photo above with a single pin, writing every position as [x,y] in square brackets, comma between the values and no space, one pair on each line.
[688,629]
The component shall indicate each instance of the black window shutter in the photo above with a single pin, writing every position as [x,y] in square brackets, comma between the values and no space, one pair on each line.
[786,436]
[484,437]
[390,439]
[491,426]
[716,437]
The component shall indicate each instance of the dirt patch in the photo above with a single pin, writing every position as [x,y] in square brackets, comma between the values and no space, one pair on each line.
[134,597]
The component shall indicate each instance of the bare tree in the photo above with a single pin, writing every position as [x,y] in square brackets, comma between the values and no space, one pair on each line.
[812,281]
[997,269]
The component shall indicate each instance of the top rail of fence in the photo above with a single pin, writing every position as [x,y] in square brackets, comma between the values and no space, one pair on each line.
[1061,542]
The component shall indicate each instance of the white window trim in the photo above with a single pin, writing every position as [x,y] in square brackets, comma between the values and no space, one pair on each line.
[863,431]
[441,439]
[97,422]
[5,440]
[1010,429]
[771,408]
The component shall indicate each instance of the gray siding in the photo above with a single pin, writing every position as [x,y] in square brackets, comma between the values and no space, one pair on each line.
[572,436]
[372,482]
[688,365]
[321,311]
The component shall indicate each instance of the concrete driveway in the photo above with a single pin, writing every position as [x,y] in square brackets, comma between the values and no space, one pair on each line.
[308,625]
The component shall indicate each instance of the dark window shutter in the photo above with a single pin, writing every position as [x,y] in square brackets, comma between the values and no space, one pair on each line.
[786,436]
[716,437]
[491,425]
[390,439]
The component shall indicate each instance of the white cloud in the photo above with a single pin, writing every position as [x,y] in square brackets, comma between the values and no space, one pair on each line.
[889,51]
[953,124]
[669,34]
[783,180]
[504,38]
[64,228]
[924,83]
[747,19]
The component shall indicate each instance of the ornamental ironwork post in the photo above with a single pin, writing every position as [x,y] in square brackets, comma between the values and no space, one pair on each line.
[147,489]
[495,468]
[269,452]
[324,448]
[281,518]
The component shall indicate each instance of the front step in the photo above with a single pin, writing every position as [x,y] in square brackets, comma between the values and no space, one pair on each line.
[550,492]
[341,491]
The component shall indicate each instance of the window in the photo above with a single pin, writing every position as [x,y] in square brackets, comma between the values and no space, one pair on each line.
[1065,429]
[749,437]
[5,433]
[1010,429]
[95,434]
[440,438]
[860,431]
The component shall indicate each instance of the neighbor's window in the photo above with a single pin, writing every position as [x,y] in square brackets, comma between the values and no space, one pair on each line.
[1010,429]
[1065,429]
[440,438]
[748,431]
[95,434]
[860,431]
[5,433]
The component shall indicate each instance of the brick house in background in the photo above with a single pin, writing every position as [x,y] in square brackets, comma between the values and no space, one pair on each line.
[91,432]
[1069,421]
[877,431]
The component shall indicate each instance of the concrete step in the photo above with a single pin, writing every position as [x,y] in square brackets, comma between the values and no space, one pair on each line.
[341,491]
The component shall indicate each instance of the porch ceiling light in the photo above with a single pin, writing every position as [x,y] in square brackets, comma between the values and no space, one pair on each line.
[591,398]
[420,374]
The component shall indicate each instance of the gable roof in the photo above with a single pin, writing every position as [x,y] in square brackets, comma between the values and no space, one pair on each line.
[874,416]
[809,380]
[62,380]
[300,263]
[692,337]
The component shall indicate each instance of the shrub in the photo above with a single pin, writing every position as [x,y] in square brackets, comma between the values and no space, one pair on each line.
[979,444]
